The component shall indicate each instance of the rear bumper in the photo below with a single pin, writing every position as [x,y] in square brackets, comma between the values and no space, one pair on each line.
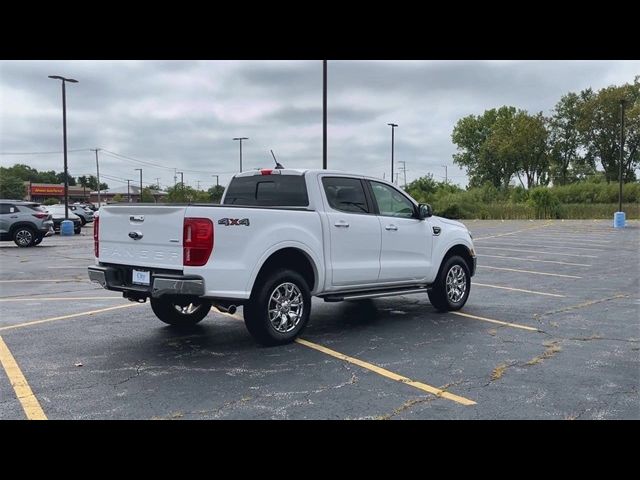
[161,283]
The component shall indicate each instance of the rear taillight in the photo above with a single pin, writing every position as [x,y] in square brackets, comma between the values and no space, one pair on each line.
[197,241]
[40,215]
[96,241]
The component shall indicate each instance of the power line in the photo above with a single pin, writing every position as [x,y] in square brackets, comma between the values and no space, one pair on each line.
[44,153]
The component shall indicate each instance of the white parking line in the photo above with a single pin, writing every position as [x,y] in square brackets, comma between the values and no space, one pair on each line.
[37,280]
[542,253]
[568,239]
[535,260]
[529,271]
[544,246]
[518,290]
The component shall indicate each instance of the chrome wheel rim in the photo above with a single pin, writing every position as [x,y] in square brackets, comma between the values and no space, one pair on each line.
[286,306]
[24,237]
[456,283]
[188,309]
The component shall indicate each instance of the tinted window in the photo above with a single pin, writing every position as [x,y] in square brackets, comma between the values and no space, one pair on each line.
[268,191]
[7,208]
[391,202]
[26,208]
[345,194]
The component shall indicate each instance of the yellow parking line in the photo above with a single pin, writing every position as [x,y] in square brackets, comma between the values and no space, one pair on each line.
[64,317]
[535,260]
[387,374]
[27,399]
[491,320]
[538,251]
[53,299]
[529,271]
[518,290]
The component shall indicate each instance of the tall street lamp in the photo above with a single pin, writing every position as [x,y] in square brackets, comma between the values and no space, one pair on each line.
[241,139]
[324,114]
[64,139]
[140,198]
[217,182]
[393,127]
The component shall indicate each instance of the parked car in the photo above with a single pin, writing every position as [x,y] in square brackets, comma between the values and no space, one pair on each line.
[57,213]
[24,222]
[90,206]
[85,214]
[282,236]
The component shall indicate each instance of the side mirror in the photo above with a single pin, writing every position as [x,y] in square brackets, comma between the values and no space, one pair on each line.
[424,211]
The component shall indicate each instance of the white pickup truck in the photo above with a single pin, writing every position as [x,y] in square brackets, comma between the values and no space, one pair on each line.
[279,237]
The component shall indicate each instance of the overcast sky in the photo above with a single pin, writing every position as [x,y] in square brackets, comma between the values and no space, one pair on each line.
[184,114]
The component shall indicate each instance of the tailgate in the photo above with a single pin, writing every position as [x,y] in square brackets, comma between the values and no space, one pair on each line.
[145,235]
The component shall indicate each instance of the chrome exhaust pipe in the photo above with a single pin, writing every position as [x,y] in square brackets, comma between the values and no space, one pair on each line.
[230,309]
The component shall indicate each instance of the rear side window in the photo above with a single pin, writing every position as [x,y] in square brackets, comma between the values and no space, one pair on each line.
[268,191]
[7,208]
[345,194]
[26,208]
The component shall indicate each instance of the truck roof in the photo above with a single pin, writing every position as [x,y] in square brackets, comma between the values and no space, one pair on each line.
[298,171]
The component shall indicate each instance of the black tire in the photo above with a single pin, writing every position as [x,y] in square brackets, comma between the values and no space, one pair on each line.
[257,317]
[24,236]
[77,230]
[166,309]
[37,241]
[461,279]
[82,221]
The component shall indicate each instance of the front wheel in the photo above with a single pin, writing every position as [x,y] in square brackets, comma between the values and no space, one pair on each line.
[37,241]
[24,237]
[451,289]
[279,308]
[180,312]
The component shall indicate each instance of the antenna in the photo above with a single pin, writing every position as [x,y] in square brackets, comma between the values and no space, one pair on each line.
[278,166]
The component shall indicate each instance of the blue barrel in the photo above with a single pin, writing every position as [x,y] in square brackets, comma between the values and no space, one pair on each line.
[66,228]
[618,220]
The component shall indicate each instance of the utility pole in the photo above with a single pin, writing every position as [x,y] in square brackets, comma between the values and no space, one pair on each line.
[198,184]
[446,175]
[404,172]
[324,114]
[97,173]
[175,178]
[140,196]
[241,139]
[393,127]
[621,153]
[158,182]
[128,191]
[217,183]
[397,174]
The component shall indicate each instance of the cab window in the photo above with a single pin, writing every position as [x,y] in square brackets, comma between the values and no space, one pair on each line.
[391,203]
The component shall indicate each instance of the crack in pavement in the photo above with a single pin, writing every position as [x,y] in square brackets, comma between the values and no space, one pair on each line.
[538,316]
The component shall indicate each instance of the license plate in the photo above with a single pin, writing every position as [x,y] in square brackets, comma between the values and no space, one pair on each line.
[141,278]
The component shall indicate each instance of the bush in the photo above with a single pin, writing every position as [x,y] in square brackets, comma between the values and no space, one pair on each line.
[545,202]
[117,198]
[51,201]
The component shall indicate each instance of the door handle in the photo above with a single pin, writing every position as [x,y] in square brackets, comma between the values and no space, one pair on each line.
[391,227]
[341,223]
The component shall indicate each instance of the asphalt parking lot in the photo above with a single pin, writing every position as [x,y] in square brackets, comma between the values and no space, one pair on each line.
[551,331]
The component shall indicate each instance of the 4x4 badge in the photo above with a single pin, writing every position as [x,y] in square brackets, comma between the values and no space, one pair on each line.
[233,221]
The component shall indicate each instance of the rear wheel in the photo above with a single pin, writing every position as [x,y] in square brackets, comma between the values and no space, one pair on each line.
[451,289]
[279,308]
[180,312]
[24,236]
[83,221]
[37,241]
[77,230]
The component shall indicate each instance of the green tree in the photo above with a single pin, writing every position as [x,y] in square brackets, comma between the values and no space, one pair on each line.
[530,147]
[117,198]
[599,128]
[147,195]
[11,187]
[482,146]
[51,201]
[70,179]
[215,193]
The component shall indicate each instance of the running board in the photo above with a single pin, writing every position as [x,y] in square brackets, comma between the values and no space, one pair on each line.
[339,297]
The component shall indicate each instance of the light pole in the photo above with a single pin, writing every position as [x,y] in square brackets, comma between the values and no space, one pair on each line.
[621,154]
[64,139]
[128,191]
[446,175]
[140,198]
[97,173]
[324,114]
[217,182]
[181,180]
[393,127]
[241,139]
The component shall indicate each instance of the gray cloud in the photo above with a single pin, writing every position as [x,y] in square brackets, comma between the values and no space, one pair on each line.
[184,114]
